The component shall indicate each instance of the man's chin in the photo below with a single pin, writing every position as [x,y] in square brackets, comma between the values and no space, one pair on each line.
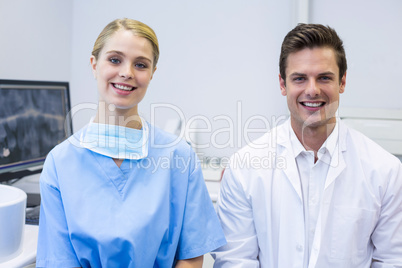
[319,123]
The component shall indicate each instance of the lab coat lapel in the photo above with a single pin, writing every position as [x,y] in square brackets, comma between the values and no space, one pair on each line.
[291,172]
[285,151]
[337,164]
[291,224]
[335,169]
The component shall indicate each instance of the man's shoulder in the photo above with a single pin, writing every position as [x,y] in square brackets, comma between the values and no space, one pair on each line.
[368,150]
[262,154]
[267,142]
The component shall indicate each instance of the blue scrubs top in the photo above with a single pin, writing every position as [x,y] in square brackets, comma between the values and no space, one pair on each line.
[147,213]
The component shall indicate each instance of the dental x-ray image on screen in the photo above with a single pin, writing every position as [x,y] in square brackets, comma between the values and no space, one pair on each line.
[34,117]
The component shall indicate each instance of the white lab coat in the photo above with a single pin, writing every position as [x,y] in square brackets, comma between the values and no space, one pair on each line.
[261,208]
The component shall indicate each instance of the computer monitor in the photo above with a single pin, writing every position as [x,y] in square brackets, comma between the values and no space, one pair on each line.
[34,117]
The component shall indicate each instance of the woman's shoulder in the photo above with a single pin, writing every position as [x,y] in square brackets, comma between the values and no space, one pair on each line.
[70,145]
[161,139]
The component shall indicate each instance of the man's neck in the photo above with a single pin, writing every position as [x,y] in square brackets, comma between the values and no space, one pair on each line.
[312,138]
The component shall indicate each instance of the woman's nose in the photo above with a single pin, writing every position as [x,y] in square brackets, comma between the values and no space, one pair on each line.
[127,72]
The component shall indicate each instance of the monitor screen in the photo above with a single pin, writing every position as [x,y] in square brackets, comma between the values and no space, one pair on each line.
[34,117]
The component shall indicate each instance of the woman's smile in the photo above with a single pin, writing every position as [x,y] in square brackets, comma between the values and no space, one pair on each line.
[123,71]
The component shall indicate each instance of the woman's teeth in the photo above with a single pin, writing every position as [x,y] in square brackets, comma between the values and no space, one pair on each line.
[123,87]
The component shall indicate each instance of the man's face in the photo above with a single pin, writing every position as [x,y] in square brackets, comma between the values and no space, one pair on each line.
[312,87]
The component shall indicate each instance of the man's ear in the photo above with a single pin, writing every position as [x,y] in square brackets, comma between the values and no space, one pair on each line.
[282,85]
[343,84]
[93,65]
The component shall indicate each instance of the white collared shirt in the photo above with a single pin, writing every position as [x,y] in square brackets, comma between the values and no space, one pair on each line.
[312,178]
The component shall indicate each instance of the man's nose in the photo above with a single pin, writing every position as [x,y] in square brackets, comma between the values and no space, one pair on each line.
[313,88]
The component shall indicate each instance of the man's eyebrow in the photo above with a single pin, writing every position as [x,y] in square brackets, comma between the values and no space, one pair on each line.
[297,74]
[122,54]
[327,73]
[320,74]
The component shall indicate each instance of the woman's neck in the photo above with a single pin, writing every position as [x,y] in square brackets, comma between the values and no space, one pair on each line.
[120,117]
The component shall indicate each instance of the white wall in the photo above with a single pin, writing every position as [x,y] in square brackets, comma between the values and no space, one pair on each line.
[213,54]
[35,40]
[372,35]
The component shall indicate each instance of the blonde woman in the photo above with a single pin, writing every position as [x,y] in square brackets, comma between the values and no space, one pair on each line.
[120,192]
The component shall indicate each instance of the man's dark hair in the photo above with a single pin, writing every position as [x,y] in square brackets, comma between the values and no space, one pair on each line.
[312,36]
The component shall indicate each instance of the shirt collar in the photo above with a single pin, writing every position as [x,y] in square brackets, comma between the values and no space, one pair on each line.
[329,145]
[296,145]
[331,142]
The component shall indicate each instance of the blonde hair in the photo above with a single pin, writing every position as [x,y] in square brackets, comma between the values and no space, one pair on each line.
[136,27]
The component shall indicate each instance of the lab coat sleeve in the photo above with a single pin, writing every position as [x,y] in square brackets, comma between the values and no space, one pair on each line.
[387,235]
[54,245]
[236,216]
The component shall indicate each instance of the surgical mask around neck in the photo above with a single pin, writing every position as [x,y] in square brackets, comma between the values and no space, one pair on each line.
[116,141]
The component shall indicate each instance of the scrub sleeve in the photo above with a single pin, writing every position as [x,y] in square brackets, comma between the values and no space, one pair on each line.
[53,223]
[199,231]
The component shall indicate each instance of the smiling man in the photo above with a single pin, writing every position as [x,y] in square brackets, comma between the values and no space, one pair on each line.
[337,201]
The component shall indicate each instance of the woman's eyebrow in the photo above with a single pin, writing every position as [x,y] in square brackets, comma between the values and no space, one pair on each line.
[115,51]
[122,54]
